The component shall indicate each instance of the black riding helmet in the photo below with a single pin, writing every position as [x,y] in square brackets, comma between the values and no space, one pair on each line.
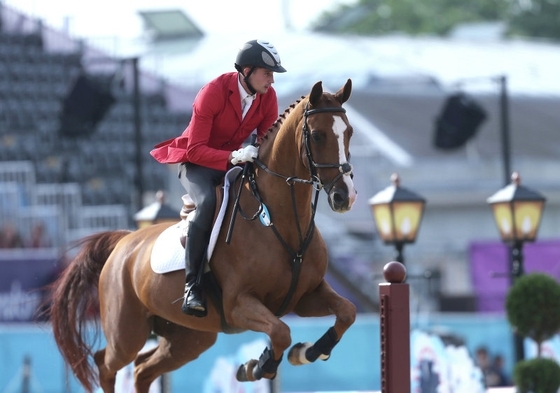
[258,53]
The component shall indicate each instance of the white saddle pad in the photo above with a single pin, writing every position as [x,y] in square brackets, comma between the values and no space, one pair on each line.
[168,255]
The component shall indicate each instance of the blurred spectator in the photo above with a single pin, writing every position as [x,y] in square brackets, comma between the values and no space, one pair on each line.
[10,237]
[39,237]
[498,366]
[492,377]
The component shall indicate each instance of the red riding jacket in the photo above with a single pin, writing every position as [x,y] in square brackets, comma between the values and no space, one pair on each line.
[216,128]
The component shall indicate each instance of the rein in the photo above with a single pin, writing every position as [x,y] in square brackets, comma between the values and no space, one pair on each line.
[304,240]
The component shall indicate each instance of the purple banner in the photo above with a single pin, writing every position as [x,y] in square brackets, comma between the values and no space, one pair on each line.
[23,275]
[490,269]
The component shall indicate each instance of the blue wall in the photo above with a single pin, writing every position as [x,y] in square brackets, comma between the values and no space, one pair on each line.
[354,364]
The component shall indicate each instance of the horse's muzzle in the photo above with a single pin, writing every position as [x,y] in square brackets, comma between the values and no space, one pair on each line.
[341,199]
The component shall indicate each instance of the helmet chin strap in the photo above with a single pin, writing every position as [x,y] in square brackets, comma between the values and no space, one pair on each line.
[246,80]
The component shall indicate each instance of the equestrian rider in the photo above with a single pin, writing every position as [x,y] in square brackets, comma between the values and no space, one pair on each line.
[226,111]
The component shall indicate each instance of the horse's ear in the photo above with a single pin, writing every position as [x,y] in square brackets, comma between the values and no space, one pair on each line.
[344,93]
[316,93]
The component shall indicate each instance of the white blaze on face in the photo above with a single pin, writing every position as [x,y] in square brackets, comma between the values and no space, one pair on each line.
[338,128]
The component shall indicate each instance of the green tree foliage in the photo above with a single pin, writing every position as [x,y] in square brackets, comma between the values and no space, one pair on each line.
[537,375]
[411,16]
[533,310]
[533,306]
[533,18]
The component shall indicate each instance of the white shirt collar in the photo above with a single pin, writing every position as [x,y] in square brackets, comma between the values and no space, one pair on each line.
[242,93]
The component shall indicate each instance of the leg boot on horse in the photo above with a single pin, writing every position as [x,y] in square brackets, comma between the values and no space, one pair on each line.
[194,302]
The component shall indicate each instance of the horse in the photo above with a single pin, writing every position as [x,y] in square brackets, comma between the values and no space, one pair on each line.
[266,269]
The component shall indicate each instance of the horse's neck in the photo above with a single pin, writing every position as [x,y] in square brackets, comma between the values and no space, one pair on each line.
[283,157]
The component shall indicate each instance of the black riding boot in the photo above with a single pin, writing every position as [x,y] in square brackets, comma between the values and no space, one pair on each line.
[194,302]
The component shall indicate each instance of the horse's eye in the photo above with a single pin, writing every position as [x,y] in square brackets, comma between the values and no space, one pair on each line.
[317,136]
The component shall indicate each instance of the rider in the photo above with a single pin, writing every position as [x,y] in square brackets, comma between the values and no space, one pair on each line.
[225,113]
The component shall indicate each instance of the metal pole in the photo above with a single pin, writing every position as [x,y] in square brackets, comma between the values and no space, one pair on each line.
[516,255]
[516,271]
[504,122]
[399,257]
[139,178]
[26,375]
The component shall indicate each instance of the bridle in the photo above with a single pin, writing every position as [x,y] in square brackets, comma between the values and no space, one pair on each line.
[344,169]
[304,240]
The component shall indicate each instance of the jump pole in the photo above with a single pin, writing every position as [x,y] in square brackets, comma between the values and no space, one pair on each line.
[394,314]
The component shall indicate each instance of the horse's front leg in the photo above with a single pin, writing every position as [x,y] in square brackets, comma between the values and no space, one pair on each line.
[321,302]
[249,313]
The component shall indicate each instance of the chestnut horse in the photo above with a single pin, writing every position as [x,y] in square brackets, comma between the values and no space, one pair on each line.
[271,267]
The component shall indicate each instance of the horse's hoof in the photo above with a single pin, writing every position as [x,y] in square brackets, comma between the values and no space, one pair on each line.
[241,375]
[245,371]
[296,356]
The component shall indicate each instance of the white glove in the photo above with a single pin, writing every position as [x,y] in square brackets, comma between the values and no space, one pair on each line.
[245,154]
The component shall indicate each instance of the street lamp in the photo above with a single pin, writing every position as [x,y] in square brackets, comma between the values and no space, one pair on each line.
[156,213]
[517,211]
[397,213]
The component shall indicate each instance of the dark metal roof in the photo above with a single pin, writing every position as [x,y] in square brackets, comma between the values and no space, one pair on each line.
[409,120]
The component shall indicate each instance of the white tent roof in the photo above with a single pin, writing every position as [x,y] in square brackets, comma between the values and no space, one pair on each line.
[531,68]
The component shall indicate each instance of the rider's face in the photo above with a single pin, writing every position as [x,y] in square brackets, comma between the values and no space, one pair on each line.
[261,79]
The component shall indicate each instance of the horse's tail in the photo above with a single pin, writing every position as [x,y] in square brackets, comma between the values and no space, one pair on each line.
[74,298]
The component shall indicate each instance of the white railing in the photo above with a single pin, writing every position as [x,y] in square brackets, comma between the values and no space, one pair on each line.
[21,173]
[67,196]
[57,206]
[104,216]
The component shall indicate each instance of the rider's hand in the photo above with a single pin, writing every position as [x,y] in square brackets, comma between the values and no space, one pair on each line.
[245,154]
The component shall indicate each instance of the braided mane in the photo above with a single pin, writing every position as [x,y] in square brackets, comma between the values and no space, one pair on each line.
[282,117]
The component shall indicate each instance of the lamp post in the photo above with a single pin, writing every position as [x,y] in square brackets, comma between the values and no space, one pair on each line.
[397,213]
[137,120]
[517,211]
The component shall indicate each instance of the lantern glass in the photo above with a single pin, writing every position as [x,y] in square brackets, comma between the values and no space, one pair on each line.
[504,220]
[407,217]
[384,221]
[398,222]
[518,220]
[527,219]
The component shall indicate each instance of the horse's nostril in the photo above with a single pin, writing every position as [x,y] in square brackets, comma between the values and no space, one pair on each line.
[339,199]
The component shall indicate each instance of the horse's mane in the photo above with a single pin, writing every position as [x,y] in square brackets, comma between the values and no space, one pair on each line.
[282,117]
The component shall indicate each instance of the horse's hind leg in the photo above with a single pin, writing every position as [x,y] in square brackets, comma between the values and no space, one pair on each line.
[321,302]
[177,345]
[106,377]
[126,329]
[117,354]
